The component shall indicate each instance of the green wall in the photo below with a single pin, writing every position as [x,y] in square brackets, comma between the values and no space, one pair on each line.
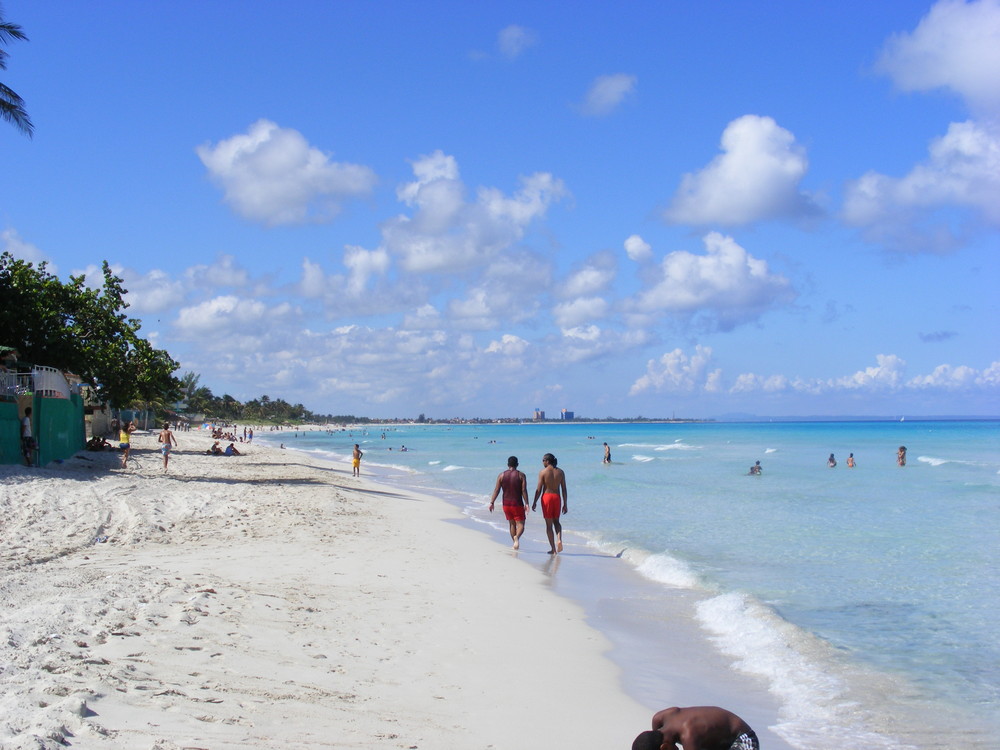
[56,423]
[10,434]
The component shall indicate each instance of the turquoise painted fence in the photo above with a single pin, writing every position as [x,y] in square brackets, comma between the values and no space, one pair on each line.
[56,423]
[10,434]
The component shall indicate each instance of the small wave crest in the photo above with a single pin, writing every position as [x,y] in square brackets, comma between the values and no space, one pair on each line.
[452,467]
[932,460]
[669,570]
[677,445]
[642,459]
[818,707]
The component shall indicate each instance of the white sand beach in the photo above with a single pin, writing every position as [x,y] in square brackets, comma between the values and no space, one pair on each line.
[269,601]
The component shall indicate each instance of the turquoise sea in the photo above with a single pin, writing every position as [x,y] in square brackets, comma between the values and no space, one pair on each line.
[866,601]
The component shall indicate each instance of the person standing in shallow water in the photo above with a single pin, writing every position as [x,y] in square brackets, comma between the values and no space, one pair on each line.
[356,460]
[901,455]
[551,482]
[515,498]
[607,453]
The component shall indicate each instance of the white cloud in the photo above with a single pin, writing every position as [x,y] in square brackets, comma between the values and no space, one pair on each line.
[449,234]
[946,376]
[756,177]
[509,345]
[424,317]
[11,242]
[887,373]
[578,311]
[606,93]
[314,281]
[434,169]
[583,333]
[222,272]
[748,382]
[955,46]
[363,264]
[962,170]
[990,377]
[272,175]
[227,314]
[676,372]
[475,310]
[638,249]
[594,277]
[726,284]
[152,292]
[513,40]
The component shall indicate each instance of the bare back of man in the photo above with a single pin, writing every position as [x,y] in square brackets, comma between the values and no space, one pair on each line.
[552,485]
[697,728]
[514,485]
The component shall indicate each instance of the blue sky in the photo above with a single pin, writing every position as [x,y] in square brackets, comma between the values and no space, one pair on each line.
[479,209]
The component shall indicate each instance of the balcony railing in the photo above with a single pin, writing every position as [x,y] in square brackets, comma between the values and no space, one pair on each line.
[46,382]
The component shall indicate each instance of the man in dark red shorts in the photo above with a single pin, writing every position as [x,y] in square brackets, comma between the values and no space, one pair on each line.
[515,498]
[551,481]
[697,728]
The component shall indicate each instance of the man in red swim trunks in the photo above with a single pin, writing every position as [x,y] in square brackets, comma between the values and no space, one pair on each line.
[515,498]
[551,481]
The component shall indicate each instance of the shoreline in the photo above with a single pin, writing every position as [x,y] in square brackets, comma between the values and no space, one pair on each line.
[684,667]
[821,697]
[271,600]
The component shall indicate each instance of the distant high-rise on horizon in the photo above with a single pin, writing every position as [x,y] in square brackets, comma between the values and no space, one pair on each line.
[567,415]
[539,414]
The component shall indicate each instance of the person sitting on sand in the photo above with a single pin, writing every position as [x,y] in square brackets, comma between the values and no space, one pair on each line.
[231,450]
[97,444]
[697,728]
[215,450]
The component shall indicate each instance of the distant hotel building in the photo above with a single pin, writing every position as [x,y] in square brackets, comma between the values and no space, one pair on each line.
[539,415]
[567,415]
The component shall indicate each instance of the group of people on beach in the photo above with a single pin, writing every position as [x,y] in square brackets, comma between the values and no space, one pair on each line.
[551,490]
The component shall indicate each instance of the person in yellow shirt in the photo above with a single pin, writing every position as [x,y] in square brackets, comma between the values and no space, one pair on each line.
[125,441]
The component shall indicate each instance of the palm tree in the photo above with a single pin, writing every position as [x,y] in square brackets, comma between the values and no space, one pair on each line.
[11,105]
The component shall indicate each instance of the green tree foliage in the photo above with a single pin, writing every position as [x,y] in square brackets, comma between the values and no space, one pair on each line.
[81,330]
[11,105]
[201,401]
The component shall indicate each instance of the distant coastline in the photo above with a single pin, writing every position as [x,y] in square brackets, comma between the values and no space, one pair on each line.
[726,419]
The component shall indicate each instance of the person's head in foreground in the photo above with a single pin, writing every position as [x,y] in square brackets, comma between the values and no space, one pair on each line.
[704,727]
[650,740]
[512,462]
